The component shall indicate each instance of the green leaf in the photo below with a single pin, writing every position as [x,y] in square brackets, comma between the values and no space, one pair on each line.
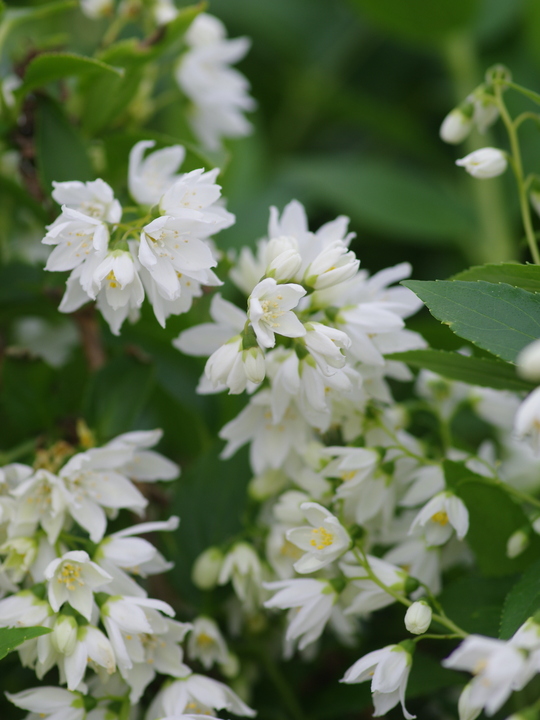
[526,277]
[115,396]
[383,197]
[498,318]
[493,517]
[475,603]
[48,67]
[473,370]
[11,637]
[419,20]
[522,601]
[9,187]
[60,150]
[19,15]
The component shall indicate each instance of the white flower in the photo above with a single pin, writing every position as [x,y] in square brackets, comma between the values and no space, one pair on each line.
[498,668]
[24,610]
[77,238]
[94,199]
[242,567]
[64,634]
[96,9]
[418,617]
[206,643]
[269,311]
[151,177]
[456,126]
[73,578]
[42,498]
[196,196]
[233,367]
[369,595]
[313,601]
[196,694]
[219,93]
[51,702]
[388,669]
[332,266]
[204,339]
[91,646]
[322,544]
[517,543]
[145,465]
[528,362]
[282,259]
[485,163]
[121,291]
[325,345]
[443,514]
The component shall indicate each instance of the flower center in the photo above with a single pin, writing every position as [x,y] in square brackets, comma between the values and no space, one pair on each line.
[440,517]
[321,538]
[204,639]
[113,283]
[271,311]
[70,576]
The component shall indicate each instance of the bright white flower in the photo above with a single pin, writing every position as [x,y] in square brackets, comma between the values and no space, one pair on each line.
[64,634]
[206,643]
[164,11]
[204,339]
[77,238]
[323,544]
[42,498]
[456,126]
[269,311]
[145,465]
[233,367]
[418,617]
[24,610]
[312,600]
[243,568]
[121,291]
[170,247]
[94,199]
[93,484]
[332,266]
[120,554]
[466,710]
[91,646]
[151,177]
[73,578]
[528,362]
[51,702]
[485,163]
[21,553]
[497,665]
[325,345]
[282,259]
[388,669]
[196,197]
[196,694]
[440,517]
[219,93]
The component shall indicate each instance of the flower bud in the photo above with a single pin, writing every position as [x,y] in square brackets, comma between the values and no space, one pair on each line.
[418,617]
[254,365]
[485,163]
[517,543]
[466,709]
[457,125]
[528,362]
[206,568]
[285,265]
[64,634]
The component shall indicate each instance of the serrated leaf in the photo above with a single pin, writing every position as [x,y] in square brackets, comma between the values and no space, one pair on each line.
[60,150]
[522,601]
[498,318]
[472,370]
[49,67]
[526,277]
[10,638]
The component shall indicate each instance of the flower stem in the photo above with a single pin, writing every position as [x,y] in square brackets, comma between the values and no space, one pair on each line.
[517,165]
[280,683]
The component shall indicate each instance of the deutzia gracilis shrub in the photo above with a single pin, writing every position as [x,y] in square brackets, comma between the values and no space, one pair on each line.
[356,527]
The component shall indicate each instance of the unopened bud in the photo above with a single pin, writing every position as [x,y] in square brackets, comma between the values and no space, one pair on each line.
[64,634]
[498,74]
[418,617]
[528,362]
[466,709]
[485,163]
[205,571]
[517,543]
[254,364]
[457,125]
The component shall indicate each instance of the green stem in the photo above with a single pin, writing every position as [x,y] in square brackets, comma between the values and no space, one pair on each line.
[21,450]
[282,686]
[519,494]
[433,636]
[518,172]
[442,619]
[495,239]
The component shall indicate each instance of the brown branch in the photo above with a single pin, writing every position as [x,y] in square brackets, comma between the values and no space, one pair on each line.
[90,334]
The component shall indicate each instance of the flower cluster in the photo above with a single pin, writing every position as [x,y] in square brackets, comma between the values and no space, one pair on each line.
[61,570]
[167,254]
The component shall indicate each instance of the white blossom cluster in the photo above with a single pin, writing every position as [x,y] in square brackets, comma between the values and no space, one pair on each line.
[336,471]
[62,570]
[166,255]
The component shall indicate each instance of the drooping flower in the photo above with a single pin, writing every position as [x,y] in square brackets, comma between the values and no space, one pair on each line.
[151,176]
[440,517]
[73,578]
[323,543]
